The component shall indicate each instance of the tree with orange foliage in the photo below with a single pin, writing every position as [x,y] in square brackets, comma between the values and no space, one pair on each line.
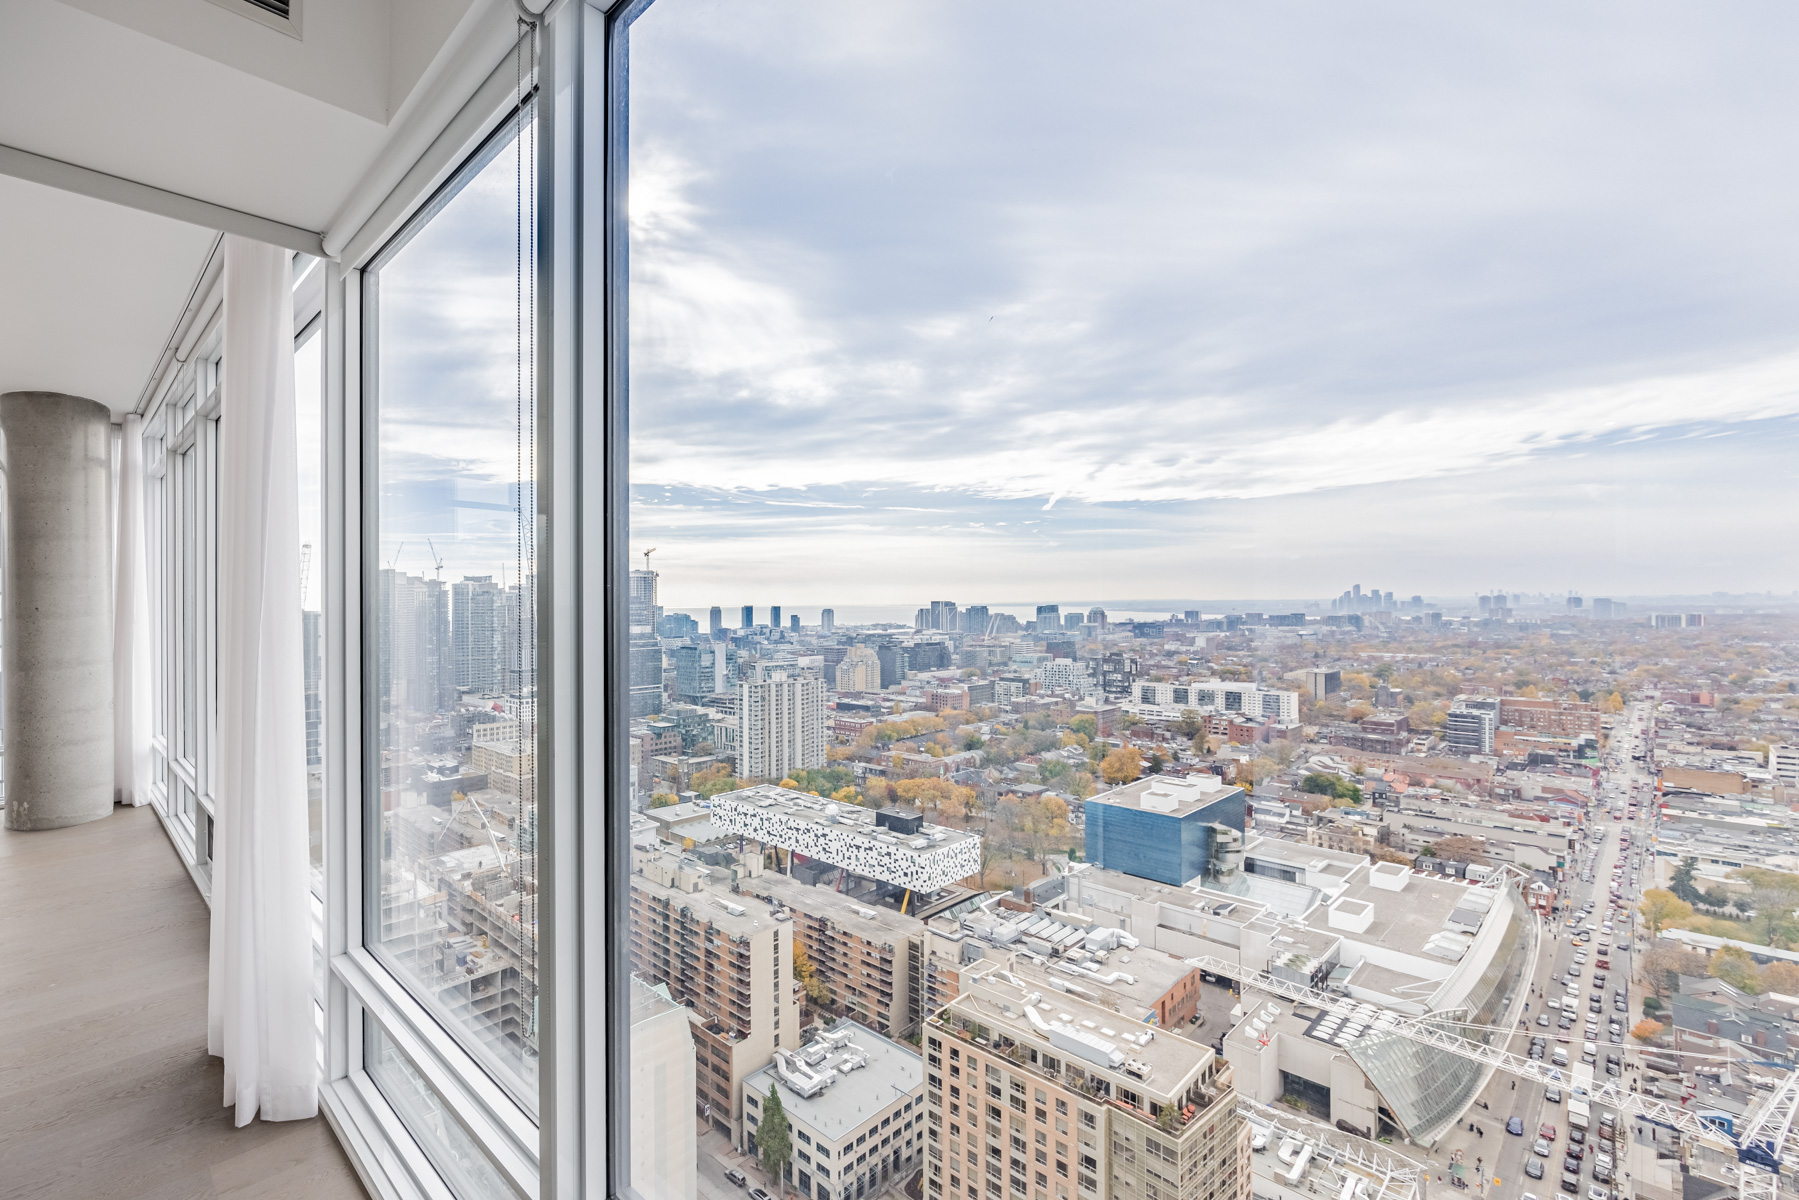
[1121,765]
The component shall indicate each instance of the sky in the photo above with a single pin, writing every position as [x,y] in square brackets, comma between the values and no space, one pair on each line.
[1011,300]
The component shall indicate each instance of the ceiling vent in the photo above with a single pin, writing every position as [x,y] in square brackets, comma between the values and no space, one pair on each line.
[276,14]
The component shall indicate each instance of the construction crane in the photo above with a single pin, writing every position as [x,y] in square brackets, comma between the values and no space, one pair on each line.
[396,558]
[437,559]
[1761,1142]
[646,557]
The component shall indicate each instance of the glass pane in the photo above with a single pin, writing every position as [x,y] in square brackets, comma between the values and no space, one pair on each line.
[190,601]
[453,650]
[1152,451]
[456,1155]
[309,415]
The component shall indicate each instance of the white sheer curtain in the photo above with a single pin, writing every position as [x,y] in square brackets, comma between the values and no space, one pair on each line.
[130,626]
[260,1008]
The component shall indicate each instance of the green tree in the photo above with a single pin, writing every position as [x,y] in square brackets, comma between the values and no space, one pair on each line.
[714,780]
[774,1137]
[1191,724]
[663,800]
[1087,724]
[1319,784]
[1681,882]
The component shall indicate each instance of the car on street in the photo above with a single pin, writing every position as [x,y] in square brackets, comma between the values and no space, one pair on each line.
[1533,1168]
[1543,1018]
[1571,1184]
[1541,1148]
[758,1194]
[1596,1193]
[1515,1126]
[1571,1165]
[733,1175]
[1546,1130]
[1553,1095]
[1577,1136]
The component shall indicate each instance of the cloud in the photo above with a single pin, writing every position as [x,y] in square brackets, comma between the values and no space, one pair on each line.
[1181,299]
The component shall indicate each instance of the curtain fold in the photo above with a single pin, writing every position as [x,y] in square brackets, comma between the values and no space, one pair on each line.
[260,1007]
[130,625]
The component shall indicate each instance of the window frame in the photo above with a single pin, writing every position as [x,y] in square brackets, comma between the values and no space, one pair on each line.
[359,988]
[369,566]
[181,445]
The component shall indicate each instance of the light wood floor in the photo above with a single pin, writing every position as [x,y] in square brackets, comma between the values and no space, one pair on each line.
[106,1089]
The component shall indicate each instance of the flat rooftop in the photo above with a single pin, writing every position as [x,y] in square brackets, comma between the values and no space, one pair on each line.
[1176,796]
[1128,981]
[738,916]
[1096,1039]
[846,835]
[873,923]
[867,1074]
[1407,919]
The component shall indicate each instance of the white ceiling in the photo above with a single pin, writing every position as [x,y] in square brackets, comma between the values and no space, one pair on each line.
[88,292]
[187,96]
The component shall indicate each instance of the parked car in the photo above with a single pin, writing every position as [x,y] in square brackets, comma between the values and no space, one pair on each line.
[737,1177]
[758,1194]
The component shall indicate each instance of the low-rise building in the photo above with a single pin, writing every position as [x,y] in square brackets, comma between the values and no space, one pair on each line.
[854,1101]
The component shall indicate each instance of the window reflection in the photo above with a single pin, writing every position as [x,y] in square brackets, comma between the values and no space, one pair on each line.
[451,655]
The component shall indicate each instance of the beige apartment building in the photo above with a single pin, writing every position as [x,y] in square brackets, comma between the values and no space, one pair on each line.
[1042,1096]
[1563,718]
[859,951]
[730,963]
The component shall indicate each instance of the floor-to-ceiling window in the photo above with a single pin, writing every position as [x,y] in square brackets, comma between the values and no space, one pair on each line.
[181,445]
[449,634]
[309,413]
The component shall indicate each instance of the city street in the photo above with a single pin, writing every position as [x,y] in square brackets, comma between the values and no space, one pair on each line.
[1494,1161]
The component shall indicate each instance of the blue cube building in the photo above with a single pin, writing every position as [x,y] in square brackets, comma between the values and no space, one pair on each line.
[1169,829]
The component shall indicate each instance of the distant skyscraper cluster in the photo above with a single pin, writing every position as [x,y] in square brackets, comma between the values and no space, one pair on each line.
[1355,600]
[441,640]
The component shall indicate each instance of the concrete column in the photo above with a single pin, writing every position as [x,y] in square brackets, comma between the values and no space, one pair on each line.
[58,609]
